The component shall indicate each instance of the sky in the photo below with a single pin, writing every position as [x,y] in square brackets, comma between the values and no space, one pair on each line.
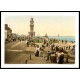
[52,25]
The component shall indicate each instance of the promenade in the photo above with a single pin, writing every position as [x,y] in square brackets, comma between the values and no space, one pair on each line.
[19,53]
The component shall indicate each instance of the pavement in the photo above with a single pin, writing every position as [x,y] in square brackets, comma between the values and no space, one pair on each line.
[19,53]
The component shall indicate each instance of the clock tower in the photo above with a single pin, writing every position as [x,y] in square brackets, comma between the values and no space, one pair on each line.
[31,33]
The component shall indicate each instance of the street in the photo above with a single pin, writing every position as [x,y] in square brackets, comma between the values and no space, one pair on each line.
[18,53]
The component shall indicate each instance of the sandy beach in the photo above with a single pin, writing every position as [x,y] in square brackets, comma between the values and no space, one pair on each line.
[60,44]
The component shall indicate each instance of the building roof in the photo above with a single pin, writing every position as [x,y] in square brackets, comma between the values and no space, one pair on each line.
[7,28]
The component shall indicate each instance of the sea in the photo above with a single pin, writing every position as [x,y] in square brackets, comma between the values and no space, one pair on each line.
[68,38]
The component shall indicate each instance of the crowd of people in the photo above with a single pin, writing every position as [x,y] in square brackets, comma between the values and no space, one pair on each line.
[55,54]
[39,50]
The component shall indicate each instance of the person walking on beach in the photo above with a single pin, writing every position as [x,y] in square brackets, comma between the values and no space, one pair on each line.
[52,46]
[66,41]
[61,57]
[64,47]
[37,51]
[69,47]
[41,51]
[53,57]
[48,56]
[58,55]
[47,44]
[27,42]
[57,48]
[62,41]
[67,56]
